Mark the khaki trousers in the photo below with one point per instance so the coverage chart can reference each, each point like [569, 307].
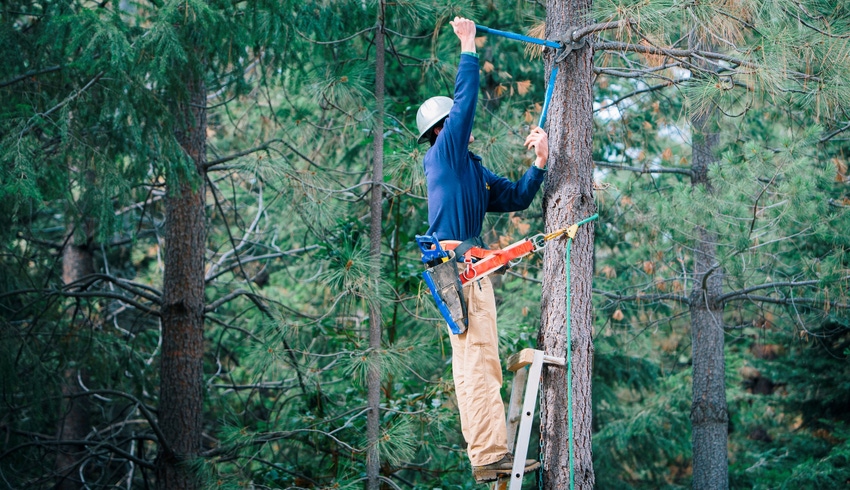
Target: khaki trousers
[477, 374]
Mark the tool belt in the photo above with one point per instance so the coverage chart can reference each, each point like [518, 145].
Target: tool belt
[461, 248]
[443, 281]
[447, 286]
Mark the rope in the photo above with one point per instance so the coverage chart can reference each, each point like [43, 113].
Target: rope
[571, 232]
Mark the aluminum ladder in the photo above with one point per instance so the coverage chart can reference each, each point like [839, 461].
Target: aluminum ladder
[527, 366]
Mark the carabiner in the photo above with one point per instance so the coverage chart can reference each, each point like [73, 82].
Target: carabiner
[539, 242]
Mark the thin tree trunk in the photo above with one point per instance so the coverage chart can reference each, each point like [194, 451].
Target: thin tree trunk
[709, 415]
[181, 370]
[373, 420]
[568, 198]
[77, 262]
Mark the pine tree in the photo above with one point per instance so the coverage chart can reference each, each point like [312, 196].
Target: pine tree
[568, 199]
[721, 202]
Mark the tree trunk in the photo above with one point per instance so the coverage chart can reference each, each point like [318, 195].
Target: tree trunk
[709, 415]
[373, 420]
[77, 262]
[568, 198]
[181, 370]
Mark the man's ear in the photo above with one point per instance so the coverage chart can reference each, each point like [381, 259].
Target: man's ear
[437, 130]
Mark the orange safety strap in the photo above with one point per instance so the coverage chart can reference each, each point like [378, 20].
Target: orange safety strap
[493, 260]
[490, 261]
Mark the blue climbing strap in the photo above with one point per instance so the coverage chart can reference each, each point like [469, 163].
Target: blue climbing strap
[553, 75]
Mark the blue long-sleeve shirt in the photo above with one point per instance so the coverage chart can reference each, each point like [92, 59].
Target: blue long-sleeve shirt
[460, 189]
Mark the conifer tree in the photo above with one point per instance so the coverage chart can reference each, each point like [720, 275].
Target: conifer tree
[291, 393]
[718, 82]
[727, 68]
[373, 461]
[568, 199]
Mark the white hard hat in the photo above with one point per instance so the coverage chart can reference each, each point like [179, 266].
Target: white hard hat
[430, 113]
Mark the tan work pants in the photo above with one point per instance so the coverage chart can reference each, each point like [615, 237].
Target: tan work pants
[478, 377]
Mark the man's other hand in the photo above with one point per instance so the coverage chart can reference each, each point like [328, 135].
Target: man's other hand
[539, 140]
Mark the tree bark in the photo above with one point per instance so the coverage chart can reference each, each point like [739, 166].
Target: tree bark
[709, 415]
[77, 262]
[373, 420]
[568, 198]
[181, 370]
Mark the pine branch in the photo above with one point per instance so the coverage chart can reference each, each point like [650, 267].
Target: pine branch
[265, 146]
[146, 412]
[834, 133]
[275, 385]
[639, 73]
[230, 297]
[134, 287]
[256, 258]
[283, 435]
[257, 300]
[676, 53]
[734, 295]
[37, 241]
[756, 204]
[66, 101]
[115, 296]
[405, 36]
[789, 301]
[70, 442]
[577, 34]
[644, 170]
[653, 88]
[31, 73]
[644, 297]
[363, 31]
[234, 247]
[800, 20]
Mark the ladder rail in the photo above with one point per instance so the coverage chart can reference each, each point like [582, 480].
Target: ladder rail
[517, 389]
[527, 366]
[527, 419]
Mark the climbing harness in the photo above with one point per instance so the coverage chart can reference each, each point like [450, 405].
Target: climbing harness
[445, 283]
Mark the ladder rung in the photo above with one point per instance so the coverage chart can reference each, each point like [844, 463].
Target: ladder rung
[526, 356]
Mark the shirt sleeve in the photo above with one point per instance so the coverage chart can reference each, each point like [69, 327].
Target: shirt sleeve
[506, 196]
[454, 138]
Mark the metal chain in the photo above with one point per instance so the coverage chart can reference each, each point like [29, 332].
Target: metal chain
[541, 454]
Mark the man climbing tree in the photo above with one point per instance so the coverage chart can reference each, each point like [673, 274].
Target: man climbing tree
[460, 191]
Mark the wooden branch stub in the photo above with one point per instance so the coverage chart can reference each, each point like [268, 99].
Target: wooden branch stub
[526, 356]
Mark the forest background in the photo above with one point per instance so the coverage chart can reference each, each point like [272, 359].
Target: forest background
[194, 293]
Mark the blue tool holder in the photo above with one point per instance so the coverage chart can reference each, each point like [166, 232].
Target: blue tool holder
[431, 249]
[443, 282]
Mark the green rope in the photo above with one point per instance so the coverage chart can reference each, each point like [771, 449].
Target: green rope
[570, 351]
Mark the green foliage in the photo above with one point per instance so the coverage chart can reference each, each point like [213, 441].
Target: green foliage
[87, 141]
